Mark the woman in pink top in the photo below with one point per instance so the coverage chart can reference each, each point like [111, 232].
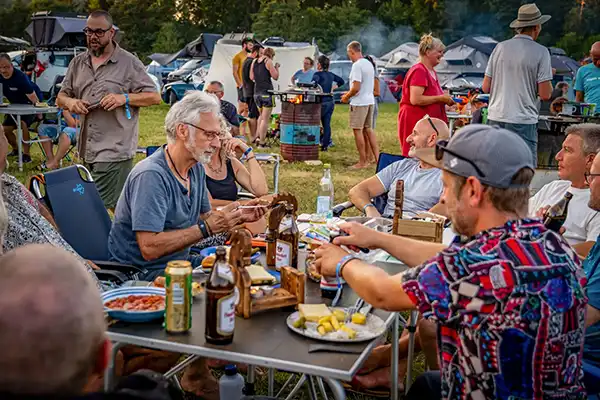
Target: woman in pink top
[421, 91]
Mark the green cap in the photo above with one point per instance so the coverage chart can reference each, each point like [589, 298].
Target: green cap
[327, 166]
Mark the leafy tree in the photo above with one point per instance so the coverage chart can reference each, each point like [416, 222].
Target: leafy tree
[169, 39]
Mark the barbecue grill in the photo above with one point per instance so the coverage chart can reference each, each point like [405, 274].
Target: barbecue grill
[300, 121]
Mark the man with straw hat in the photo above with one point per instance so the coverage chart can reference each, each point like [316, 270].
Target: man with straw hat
[518, 72]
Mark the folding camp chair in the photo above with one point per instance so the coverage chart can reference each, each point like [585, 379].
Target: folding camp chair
[385, 160]
[83, 221]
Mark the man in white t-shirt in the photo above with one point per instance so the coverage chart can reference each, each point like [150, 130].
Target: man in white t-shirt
[422, 182]
[362, 105]
[574, 161]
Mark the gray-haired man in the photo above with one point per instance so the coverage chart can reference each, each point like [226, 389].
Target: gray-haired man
[518, 72]
[227, 109]
[164, 206]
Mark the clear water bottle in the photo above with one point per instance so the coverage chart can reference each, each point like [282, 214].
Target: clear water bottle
[231, 384]
[325, 194]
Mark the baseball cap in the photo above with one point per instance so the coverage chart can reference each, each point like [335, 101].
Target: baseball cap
[492, 155]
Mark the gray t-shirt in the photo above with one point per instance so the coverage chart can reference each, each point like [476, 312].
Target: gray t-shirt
[422, 187]
[516, 67]
[154, 201]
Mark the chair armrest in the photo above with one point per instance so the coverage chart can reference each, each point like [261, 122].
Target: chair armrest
[245, 196]
[339, 209]
[113, 276]
[115, 266]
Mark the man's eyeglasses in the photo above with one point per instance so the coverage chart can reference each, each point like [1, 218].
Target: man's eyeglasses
[589, 178]
[210, 135]
[441, 147]
[98, 32]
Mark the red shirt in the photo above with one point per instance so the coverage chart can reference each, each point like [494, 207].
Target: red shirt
[409, 114]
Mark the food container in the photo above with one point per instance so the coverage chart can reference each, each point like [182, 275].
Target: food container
[267, 290]
[256, 293]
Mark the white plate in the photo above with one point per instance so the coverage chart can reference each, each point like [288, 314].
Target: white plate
[374, 328]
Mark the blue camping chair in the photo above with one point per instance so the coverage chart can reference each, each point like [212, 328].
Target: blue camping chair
[80, 215]
[385, 160]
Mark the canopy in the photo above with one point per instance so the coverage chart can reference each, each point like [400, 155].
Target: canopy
[201, 47]
[564, 65]
[467, 55]
[221, 66]
[404, 56]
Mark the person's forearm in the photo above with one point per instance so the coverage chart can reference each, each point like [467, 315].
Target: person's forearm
[144, 99]
[33, 98]
[62, 100]
[579, 96]
[351, 93]
[258, 181]
[359, 197]
[583, 249]
[410, 251]
[164, 243]
[236, 76]
[374, 286]
[425, 100]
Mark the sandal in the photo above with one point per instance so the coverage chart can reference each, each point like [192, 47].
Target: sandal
[42, 167]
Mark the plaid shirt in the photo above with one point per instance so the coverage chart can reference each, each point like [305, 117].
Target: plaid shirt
[510, 308]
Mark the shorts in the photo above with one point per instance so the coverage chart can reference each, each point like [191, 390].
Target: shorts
[264, 101]
[253, 112]
[361, 117]
[109, 178]
[240, 94]
[527, 132]
[51, 131]
[28, 119]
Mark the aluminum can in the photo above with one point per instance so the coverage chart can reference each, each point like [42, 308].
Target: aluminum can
[178, 304]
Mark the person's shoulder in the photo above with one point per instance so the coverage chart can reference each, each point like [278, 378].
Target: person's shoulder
[79, 58]
[556, 185]
[152, 167]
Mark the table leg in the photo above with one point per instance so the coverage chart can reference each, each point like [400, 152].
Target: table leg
[271, 383]
[296, 388]
[412, 328]
[322, 388]
[109, 373]
[336, 388]
[249, 387]
[289, 380]
[20, 143]
[312, 390]
[181, 366]
[395, 359]
[451, 127]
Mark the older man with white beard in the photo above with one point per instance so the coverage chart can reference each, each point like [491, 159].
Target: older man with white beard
[164, 207]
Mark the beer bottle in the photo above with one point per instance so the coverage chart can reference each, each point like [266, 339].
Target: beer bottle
[556, 215]
[287, 242]
[220, 301]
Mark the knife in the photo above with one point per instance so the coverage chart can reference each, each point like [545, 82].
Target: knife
[313, 348]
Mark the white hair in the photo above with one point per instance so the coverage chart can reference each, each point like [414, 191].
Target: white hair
[188, 110]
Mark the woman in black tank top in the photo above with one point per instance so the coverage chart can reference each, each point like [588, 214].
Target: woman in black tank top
[262, 72]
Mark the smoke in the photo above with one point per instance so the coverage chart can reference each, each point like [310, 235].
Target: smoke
[376, 38]
[463, 19]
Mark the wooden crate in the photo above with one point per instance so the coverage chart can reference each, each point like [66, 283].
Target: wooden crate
[428, 231]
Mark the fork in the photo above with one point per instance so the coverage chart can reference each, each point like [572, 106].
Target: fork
[357, 306]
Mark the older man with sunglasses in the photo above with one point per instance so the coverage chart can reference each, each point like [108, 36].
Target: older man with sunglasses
[422, 182]
[507, 294]
[107, 85]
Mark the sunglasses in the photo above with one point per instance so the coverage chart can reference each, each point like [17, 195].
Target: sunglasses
[432, 124]
[441, 147]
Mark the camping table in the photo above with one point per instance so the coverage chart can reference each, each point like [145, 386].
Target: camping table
[264, 340]
[452, 117]
[16, 111]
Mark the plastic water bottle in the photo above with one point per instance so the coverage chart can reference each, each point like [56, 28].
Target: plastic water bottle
[325, 194]
[231, 384]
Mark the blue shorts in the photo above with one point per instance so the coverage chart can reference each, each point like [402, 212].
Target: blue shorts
[51, 131]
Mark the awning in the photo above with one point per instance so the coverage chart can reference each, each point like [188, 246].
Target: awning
[201, 47]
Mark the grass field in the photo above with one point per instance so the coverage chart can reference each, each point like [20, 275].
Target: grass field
[297, 178]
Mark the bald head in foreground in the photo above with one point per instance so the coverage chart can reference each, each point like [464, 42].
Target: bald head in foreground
[52, 328]
[422, 182]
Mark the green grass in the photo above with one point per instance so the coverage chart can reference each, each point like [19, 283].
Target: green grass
[297, 178]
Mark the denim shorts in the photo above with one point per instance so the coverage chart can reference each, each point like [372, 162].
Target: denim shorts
[527, 132]
[51, 131]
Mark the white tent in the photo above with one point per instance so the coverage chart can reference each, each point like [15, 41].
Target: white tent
[221, 67]
[404, 56]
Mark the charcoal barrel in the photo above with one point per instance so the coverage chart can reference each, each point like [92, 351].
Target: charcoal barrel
[300, 130]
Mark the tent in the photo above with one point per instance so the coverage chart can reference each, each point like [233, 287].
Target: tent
[404, 56]
[564, 65]
[10, 42]
[201, 47]
[467, 55]
[221, 67]
[49, 29]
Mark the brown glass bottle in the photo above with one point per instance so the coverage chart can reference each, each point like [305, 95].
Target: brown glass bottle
[556, 215]
[287, 242]
[220, 301]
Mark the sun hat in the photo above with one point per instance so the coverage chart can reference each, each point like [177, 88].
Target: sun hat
[529, 15]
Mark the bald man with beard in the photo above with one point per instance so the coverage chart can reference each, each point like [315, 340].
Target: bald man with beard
[587, 82]
[53, 333]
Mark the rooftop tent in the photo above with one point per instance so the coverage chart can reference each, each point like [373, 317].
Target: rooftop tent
[564, 65]
[404, 56]
[469, 54]
[11, 42]
[201, 47]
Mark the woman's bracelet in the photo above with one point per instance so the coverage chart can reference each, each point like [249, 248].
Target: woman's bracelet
[250, 158]
[248, 151]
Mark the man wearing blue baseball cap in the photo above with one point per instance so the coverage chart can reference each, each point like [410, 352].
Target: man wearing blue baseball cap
[508, 298]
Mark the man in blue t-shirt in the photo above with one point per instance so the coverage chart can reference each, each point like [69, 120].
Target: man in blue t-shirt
[587, 82]
[591, 352]
[18, 89]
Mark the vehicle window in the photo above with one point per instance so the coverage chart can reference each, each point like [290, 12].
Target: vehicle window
[62, 60]
[191, 64]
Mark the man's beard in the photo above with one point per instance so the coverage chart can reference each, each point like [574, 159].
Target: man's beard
[203, 157]
[99, 51]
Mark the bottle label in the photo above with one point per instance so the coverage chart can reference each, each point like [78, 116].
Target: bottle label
[226, 314]
[323, 204]
[283, 255]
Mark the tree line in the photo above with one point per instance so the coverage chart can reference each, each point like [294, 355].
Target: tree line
[166, 25]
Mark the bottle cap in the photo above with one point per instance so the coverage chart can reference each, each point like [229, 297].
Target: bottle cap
[327, 166]
[221, 251]
[230, 370]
